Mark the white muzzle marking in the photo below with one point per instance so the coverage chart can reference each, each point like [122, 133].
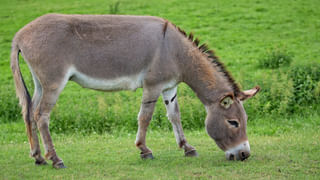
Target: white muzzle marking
[244, 146]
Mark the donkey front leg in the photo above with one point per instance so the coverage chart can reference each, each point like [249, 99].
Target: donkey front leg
[149, 100]
[173, 113]
[42, 117]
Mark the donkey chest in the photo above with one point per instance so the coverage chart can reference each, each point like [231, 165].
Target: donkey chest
[125, 82]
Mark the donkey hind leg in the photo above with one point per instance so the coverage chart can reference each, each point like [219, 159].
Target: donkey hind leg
[35, 148]
[42, 117]
[173, 113]
[149, 99]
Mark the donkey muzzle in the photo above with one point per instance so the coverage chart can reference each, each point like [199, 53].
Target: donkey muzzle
[239, 152]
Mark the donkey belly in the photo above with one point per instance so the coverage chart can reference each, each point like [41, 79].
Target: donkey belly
[129, 82]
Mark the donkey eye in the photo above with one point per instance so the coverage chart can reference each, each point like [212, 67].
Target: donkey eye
[233, 123]
[226, 102]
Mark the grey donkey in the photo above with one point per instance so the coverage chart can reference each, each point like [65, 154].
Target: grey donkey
[117, 52]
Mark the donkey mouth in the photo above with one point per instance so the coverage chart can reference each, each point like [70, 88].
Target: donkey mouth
[239, 152]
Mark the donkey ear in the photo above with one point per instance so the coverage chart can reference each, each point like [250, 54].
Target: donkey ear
[244, 95]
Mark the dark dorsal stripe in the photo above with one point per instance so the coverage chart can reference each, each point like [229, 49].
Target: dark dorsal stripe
[212, 58]
[164, 30]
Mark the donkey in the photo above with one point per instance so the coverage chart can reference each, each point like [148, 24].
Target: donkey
[117, 52]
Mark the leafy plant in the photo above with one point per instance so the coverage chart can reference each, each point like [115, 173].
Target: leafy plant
[306, 80]
[114, 8]
[275, 58]
[276, 93]
[295, 90]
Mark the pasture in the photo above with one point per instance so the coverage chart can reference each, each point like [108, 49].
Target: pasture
[274, 44]
[292, 154]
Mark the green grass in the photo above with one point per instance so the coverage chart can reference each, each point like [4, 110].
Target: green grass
[293, 154]
[94, 132]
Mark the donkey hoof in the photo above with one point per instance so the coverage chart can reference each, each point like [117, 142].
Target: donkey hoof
[40, 162]
[191, 153]
[146, 156]
[59, 165]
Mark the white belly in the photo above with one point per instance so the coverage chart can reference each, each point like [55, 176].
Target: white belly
[131, 82]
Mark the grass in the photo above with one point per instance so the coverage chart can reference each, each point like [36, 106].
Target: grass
[94, 132]
[114, 156]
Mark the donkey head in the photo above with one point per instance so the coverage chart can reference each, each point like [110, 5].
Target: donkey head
[226, 123]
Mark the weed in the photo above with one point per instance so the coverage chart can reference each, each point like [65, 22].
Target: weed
[114, 8]
[276, 93]
[275, 58]
[306, 79]
[295, 90]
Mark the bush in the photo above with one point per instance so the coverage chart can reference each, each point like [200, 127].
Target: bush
[283, 93]
[275, 58]
[306, 80]
[274, 98]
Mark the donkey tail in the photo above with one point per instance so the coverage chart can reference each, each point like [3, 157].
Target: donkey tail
[21, 89]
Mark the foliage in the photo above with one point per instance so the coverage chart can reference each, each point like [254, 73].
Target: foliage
[274, 98]
[114, 8]
[275, 58]
[306, 79]
[294, 90]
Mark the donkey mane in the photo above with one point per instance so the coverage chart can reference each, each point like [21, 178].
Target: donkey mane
[210, 54]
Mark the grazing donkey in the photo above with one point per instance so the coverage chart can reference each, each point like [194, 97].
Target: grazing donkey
[111, 52]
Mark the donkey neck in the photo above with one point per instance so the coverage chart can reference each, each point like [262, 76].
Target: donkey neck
[204, 77]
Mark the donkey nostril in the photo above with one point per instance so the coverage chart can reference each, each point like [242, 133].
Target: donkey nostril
[244, 155]
[231, 157]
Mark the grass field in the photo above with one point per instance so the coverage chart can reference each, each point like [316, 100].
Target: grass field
[94, 132]
[293, 155]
